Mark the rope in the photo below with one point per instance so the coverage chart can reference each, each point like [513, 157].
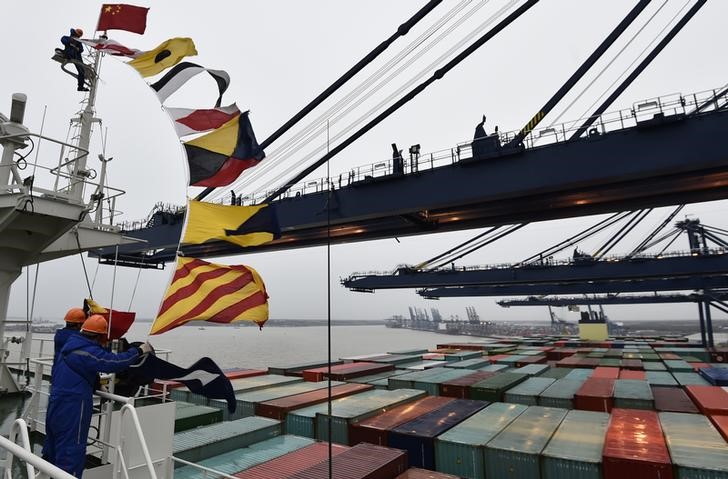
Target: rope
[328, 303]
[133, 292]
[83, 263]
[113, 289]
[298, 139]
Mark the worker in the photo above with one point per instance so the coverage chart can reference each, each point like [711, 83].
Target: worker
[68, 417]
[72, 51]
[480, 130]
[74, 319]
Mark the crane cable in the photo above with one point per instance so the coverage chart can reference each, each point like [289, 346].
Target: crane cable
[298, 138]
[373, 110]
[641, 247]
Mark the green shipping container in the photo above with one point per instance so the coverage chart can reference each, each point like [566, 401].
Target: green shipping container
[431, 385]
[580, 373]
[678, 365]
[208, 441]
[188, 416]
[516, 451]
[469, 363]
[633, 394]
[686, 379]
[660, 378]
[494, 368]
[654, 366]
[461, 450]
[561, 393]
[492, 389]
[697, 449]
[575, 450]
[532, 369]
[556, 373]
[241, 459]
[527, 392]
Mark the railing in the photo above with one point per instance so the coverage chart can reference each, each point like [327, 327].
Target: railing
[207, 473]
[25, 454]
[547, 262]
[63, 181]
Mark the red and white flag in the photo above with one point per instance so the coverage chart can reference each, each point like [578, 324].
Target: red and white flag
[189, 121]
[112, 47]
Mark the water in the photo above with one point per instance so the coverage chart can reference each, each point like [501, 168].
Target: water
[248, 347]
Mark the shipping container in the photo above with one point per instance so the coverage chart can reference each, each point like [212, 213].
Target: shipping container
[245, 402]
[421, 365]
[556, 373]
[464, 355]
[696, 447]
[595, 395]
[660, 378]
[493, 388]
[289, 464]
[278, 408]
[417, 436]
[461, 450]
[344, 372]
[239, 373]
[679, 366]
[636, 364]
[241, 459]
[721, 423]
[516, 450]
[350, 411]
[606, 372]
[397, 359]
[207, 441]
[632, 374]
[363, 461]
[375, 430]
[580, 373]
[655, 367]
[687, 379]
[494, 368]
[407, 381]
[431, 385]
[469, 363]
[188, 416]
[239, 386]
[671, 399]
[561, 393]
[532, 369]
[377, 377]
[633, 394]
[296, 369]
[416, 473]
[610, 363]
[711, 400]
[527, 392]
[409, 352]
[460, 387]
[634, 446]
[575, 450]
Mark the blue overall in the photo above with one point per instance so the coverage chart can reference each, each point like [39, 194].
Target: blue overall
[59, 340]
[73, 49]
[71, 403]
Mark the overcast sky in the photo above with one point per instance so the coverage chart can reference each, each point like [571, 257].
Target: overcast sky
[282, 53]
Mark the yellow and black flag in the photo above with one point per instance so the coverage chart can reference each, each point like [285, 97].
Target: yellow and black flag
[219, 157]
[166, 55]
[240, 225]
[202, 291]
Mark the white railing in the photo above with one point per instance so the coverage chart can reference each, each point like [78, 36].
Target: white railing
[207, 473]
[24, 454]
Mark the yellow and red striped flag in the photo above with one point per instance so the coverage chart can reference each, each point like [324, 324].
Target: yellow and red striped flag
[202, 291]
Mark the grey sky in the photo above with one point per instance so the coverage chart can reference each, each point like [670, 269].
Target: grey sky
[280, 54]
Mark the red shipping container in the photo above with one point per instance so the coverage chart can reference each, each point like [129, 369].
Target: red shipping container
[669, 356]
[595, 395]
[606, 372]
[416, 473]
[460, 387]
[243, 373]
[721, 423]
[363, 461]
[343, 372]
[672, 399]
[375, 430]
[696, 366]
[632, 364]
[711, 400]
[531, 360]
[496, 357]
[630, 374]
[285, 466]
[278, 408]
[433, 357]
[635, 447]
[467, 346]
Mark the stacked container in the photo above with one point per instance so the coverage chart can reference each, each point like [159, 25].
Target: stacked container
[363, 461]
[417, 436]
[527, 392]
[575, 450]
[417, 473]
[633, 394]
[711, 400]
[461, 450]
[431, 385]
[721, 423]
[560, 394]
[460, 388]
[246, 402]
[660, 378]
[493, 388]
[671, 399]
[687, 379]
[635, 447]
[715, 376]
[343, 372]
[375, 430]
[286, 466]
[595, 395]
[278, 408]
[696, 448]
[515, 452]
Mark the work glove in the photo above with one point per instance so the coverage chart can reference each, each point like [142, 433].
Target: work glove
[146, 348]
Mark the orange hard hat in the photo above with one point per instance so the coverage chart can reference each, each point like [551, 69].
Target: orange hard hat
[75, 315]
[95, 324]
[78, 31]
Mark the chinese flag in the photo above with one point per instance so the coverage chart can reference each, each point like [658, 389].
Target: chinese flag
[119, 16]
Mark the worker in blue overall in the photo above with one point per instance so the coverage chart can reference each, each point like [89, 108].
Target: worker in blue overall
[71, 402]
[73, 50]
[74, 319]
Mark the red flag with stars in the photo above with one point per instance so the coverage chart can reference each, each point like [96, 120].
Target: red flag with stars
[120, 16]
